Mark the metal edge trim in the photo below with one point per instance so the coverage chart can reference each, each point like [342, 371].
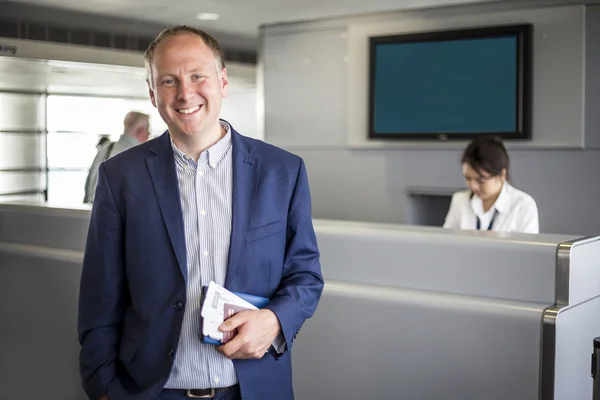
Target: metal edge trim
[563, 268]
[548, 340]
[548, 353]
[550, 314]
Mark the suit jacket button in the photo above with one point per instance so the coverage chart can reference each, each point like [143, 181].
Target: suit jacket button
[171, 352]
[179, 305]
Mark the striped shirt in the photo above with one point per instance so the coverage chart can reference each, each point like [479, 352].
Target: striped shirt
[206, 201]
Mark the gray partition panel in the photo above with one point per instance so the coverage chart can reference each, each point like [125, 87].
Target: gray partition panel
[38, 333]
[514, 267]
[576, 328]
[44, 226]
[367, 342]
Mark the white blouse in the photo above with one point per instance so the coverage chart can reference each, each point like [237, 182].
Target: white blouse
[515, 211]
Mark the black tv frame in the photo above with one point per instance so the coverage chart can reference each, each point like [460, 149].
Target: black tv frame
[524, 79]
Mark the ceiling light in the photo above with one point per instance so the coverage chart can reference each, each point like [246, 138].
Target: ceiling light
[208, 16]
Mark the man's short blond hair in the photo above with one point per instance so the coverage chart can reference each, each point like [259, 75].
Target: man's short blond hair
[207, 38]
[133, 120]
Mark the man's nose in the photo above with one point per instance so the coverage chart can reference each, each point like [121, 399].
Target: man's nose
[184, 92]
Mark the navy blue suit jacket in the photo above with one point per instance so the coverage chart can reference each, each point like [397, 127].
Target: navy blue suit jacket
[135, 269]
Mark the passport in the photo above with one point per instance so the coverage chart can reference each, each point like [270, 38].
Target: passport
[229, 310]
[212, 310]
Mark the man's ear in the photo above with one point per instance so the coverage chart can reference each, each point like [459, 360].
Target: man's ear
[151, 93]
[224, 82]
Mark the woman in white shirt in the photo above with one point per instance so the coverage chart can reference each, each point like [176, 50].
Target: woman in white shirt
[491, 203]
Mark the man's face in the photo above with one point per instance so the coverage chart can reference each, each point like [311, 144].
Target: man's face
[186, 88]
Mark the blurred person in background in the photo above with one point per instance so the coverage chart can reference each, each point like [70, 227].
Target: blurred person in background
[103, 140]
[136, 130]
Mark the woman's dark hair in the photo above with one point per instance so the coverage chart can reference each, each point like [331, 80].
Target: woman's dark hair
[487, 154]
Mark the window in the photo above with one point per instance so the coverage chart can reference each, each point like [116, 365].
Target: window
[75, 124]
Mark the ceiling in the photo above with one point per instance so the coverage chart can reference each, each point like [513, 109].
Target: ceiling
[19, 74]
[238, 17]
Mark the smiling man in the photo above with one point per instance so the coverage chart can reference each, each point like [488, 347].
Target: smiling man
[200, 203]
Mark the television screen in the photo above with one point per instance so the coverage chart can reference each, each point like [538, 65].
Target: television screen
[451, 84]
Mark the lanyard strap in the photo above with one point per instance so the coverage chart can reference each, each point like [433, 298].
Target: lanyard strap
[491, 222]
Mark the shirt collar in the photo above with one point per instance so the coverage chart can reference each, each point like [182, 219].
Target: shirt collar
[501, 203]
[214, 154]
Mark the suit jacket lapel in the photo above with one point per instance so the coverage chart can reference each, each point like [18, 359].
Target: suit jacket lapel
[164, 177]
[245, 181]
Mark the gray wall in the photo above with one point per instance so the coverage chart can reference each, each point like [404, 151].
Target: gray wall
[314, 82]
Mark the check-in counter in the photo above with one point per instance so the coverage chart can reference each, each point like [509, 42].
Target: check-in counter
[426, 313]
[407, 312]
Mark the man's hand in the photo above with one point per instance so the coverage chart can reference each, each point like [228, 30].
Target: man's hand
[257, 329]
[104, 398]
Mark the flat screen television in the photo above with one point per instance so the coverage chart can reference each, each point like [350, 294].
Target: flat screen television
[448, 85]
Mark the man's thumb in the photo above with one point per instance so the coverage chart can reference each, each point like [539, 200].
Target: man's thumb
[232, 323]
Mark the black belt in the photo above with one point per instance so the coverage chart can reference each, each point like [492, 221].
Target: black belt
[202, 393]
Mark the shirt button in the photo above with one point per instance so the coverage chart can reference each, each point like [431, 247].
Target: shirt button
[171, 352]
[203, 212]
[179, 305]
[216, 379]
[205, 252]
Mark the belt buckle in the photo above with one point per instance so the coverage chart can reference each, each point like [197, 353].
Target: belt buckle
[189, 394]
